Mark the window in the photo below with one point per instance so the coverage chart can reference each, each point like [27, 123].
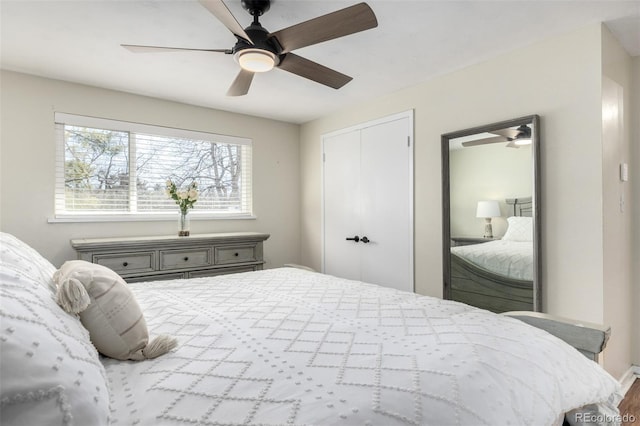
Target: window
[110, 169]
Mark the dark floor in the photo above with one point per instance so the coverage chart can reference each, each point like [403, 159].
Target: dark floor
[630, 405]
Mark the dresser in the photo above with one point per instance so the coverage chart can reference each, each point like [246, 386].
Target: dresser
[172, 257]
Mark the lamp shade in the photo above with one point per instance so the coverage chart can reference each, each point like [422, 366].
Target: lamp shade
[488, 209]
[256, 60]
[520, 141]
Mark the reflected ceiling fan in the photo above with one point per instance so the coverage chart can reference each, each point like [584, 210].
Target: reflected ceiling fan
[516, 137]
[258, 50]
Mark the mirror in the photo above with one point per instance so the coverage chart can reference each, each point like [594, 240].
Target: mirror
[491, 215]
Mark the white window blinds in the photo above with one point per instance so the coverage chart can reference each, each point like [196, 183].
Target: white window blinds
[107, 167]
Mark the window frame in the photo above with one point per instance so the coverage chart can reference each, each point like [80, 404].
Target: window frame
[61, 119]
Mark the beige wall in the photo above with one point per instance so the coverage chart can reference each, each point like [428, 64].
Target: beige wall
[559, 79]
[27, 165]
[617, 230]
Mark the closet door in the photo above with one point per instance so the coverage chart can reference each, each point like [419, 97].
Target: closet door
[368, 193]
[385, 203]
[342, 205]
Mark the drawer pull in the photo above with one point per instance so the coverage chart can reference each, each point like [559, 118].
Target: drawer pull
[125, 264]
[236, 254]
[186, 258]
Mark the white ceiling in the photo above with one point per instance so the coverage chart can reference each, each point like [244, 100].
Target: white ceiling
[79, 41]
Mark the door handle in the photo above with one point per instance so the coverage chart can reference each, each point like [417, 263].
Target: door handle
[356, 239]
[364, 240]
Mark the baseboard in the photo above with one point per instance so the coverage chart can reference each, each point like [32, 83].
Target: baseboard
[627, 378]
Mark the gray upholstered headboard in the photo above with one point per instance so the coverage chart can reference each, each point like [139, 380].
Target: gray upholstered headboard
[522, 206]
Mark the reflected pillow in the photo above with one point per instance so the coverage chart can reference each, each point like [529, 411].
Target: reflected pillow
[520, 229]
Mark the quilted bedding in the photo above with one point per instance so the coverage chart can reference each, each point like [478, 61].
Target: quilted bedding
[286, 346]
[512, 259]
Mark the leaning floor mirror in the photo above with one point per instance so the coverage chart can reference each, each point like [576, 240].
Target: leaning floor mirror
[491, 215]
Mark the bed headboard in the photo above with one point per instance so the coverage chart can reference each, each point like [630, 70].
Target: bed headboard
[588, 338]
[522, 206]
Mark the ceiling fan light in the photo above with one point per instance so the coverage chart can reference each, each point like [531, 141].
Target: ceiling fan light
[256, 60]
[522, 141]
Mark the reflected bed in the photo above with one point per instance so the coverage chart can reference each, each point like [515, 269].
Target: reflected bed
[498, 275]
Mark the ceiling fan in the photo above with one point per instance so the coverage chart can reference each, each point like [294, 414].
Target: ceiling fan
[516, 137]
[258, 50]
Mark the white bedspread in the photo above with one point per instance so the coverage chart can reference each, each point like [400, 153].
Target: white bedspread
[513, 259]
[286, 346]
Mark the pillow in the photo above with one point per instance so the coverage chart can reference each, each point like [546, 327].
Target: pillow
[520, 228]
[51, 373]
[108, 310]
[27, 262]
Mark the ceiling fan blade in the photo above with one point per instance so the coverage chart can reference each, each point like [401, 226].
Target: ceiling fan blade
[340, 23]
[136, 48]
[484, 141]
[507, 133]
[313, 71]
[241, 84]
[222, 12]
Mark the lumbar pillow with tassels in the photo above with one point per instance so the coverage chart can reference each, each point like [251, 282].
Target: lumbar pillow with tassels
[108, 310]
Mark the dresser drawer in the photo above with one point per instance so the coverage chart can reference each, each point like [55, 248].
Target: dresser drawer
[180, 259]
[235, 254]
[127, 263]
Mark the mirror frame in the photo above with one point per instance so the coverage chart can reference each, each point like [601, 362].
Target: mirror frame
[534, 122]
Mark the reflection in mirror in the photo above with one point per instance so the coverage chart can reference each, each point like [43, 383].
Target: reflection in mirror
[491, 216]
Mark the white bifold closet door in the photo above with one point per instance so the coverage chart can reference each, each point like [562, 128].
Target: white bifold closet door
[368, 202]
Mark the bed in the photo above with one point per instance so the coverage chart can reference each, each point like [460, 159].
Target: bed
[498, 275]
[287, 346]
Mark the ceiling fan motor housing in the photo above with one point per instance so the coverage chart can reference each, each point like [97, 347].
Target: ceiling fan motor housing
[256, 7]
[262, 43]
[525, 131]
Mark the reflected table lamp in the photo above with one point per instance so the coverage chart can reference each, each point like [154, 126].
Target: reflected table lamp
[488, 210]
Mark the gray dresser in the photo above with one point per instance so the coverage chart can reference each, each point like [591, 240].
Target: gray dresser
[171, 257]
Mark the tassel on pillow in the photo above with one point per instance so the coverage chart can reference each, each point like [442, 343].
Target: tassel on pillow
[158, 346]
[108, 310]
[71, 295]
